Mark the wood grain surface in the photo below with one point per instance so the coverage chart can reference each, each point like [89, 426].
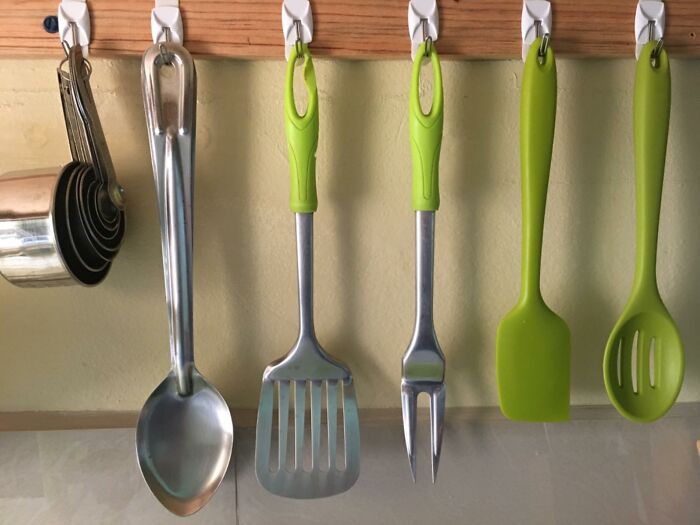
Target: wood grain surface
[472, 29]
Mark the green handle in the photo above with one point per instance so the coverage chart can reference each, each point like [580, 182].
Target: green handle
[538, 107]
[652, 108]
[426, 135]
[302, 136]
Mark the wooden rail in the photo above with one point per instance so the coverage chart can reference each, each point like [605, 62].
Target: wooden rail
[472, 29]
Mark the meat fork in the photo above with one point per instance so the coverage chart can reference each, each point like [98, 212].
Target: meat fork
[423, 366]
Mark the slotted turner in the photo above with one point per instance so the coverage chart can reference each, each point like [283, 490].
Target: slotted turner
[307, 371]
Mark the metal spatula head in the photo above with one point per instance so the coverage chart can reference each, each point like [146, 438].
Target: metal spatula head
[316, 460]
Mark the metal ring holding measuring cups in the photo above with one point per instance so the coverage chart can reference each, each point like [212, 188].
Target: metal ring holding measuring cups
[61, 226]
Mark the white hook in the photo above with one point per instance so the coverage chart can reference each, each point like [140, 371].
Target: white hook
[74, 12]
[649, 21]
[297, 24]
[423, 23]
[166, 16]
[537, 16]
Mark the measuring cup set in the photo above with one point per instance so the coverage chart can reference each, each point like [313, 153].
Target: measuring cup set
[65, 225]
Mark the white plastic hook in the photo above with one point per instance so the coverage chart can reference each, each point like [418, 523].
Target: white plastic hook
[423, 22]
[649, 13]
[74, 12]
[166, 15]
[536, 14]
[297, 23]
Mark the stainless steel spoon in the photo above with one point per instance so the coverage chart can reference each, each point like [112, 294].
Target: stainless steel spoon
[184, 435]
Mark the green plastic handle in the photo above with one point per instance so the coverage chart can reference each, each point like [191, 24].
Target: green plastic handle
[652, 108]
[538, 107]
[302, 136]
[426, 135]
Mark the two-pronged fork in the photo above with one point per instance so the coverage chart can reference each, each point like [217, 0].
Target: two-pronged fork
[423, 367]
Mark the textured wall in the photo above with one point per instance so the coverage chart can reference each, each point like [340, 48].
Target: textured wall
[106, 347]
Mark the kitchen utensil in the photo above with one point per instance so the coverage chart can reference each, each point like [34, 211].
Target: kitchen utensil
[423, 365]
[307, 370]
[533, 343]
[184, 435]
[643, 362]
[60, 226]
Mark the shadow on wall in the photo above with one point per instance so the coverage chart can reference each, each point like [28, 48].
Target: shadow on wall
[350, 154]
[683, 300]
[470, 109]
[223, 202]
[589, 160]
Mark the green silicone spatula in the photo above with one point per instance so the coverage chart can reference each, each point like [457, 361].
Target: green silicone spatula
[533, 343]
[643, 362]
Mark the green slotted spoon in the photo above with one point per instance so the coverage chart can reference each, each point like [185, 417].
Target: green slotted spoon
[643, 362]
[533, 343]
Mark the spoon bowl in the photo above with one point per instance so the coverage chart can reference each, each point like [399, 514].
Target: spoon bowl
[184, 443]
[643, 363]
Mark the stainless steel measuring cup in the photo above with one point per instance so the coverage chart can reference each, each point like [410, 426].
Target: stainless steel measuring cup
[64, 225]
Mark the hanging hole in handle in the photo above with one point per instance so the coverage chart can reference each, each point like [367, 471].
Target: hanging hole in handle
[301, 93]
[167, 80]
[426, 86]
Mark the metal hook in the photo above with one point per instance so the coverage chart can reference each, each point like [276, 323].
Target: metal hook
[74, 32]
[164, 54]
[426, 36]
[656, 52]
[298, 44]
[544, 45]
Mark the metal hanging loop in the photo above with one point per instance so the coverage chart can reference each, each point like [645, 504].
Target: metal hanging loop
[656, 52]
[544, 44]
[426, 37]
[165, 55]
[298, 43]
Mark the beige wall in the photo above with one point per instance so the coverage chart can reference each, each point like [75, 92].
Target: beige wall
[106, 347]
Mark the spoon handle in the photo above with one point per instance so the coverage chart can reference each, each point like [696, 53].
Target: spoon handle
[652, 108]
[538, 106]
[170, 105]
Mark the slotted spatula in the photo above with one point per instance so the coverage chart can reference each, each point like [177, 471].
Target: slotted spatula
[307, 368]
[533, 343]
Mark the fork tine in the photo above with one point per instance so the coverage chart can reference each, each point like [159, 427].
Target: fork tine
[299, 413]
[437, 418]
[408, 408]
[283, 422]
[331, 416]
[315, 422]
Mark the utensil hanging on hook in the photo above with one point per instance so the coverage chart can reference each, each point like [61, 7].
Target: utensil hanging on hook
[64, 225]
[644, 361]
[184, 435]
